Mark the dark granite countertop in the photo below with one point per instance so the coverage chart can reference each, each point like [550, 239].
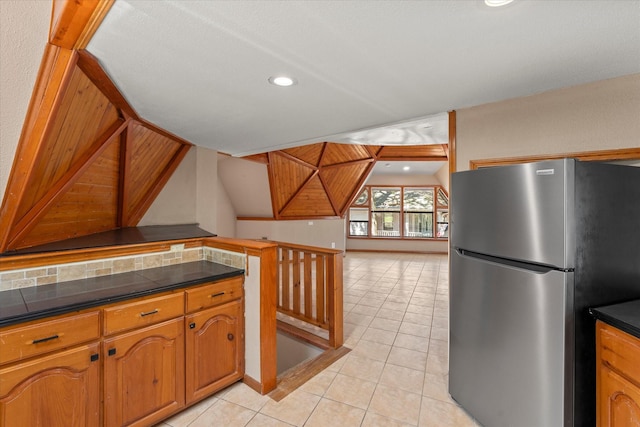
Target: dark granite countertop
[21, 305]
[624, 316]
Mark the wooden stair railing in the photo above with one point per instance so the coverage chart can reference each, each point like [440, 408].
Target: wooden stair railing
[310, 289]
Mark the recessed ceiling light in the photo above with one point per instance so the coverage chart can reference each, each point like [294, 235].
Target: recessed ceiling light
[282, 81]
[497, 3]
[406, 168]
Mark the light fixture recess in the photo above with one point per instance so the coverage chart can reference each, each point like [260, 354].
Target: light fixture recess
[497, 3]
[282, 81]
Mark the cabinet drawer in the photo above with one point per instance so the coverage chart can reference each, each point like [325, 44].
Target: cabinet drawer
[620, 351]
[21, 342]
[213, 294]
[143, 312]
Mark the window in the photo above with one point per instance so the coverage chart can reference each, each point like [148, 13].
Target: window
[418, 212]
[442, 214]
[358, 222]
[385, 212]
[400, 212]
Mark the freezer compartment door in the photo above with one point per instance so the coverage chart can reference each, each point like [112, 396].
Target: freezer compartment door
[507, 343]
[521, 212]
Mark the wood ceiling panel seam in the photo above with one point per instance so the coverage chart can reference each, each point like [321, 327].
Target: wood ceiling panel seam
[40, 209]
[53, 75]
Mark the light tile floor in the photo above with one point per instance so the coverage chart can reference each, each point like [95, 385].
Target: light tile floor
[396, 323]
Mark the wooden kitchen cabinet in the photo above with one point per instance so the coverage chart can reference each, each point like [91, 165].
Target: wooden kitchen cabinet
[49, 375]
[131, 363]
[144, 374]
[214, 349]
[617, 377]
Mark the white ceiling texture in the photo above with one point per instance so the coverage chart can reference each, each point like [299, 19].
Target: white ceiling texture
[380, 72]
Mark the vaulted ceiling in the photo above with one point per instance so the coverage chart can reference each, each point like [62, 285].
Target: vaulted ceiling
[86, 162]
[323, 179]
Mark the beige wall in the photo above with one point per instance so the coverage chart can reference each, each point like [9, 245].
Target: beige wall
[595, 116]
[24, 28]
[226, 219]
[316, 232]
[176, 203]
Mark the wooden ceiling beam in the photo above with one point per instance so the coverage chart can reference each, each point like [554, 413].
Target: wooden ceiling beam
[332, 201]
[30, 220]
[296, 160]
[54, 74]
[91, 67]
[451, 147]
[348, 163]
[73, 22]
[272, 185]
[414, 159]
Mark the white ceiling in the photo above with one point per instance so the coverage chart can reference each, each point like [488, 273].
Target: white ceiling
[199, 69]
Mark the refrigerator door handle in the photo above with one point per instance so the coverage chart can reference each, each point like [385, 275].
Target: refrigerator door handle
[532, 267]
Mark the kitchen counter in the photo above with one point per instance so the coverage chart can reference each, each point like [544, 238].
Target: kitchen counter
[624, 316]
[20, 305]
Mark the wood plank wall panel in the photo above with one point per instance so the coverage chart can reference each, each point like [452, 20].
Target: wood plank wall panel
[343, 181]
[90, 206]
[84, 114]
[307, 153]
[312, 200]
[150, 155]
[288, 176]
[343, 153]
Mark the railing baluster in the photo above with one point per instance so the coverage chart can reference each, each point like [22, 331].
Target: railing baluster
[312, 298]
[285, 283]
[308, 285]
[296, 281]
[321, 287]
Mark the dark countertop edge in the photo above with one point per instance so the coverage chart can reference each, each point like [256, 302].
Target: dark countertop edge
[8, 321]
[615, 322]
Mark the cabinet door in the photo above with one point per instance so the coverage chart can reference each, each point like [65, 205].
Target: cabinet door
[144, 374]
[58, 390]
[620, 402]
[214, 349]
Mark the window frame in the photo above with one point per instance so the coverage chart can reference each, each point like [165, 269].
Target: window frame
[437, 207]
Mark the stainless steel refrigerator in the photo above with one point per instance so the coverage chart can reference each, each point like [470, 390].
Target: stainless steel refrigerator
[533, 246]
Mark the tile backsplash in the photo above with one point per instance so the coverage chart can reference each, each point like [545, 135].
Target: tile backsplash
[37, 276]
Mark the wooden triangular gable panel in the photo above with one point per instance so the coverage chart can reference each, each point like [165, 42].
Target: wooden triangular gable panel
[83, 115]
[150, 154]
[307, 153]
[312, 200]
[343, 181]
[89, 206]
[343, 153]
[288, 176]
